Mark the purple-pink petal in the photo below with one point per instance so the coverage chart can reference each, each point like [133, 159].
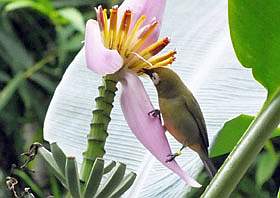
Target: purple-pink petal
[135, 105]
[152, 9]
[98, 58]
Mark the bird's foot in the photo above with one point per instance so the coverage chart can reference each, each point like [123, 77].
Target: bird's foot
[171, 157]
[155, 113]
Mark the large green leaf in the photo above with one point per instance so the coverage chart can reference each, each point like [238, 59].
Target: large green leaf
[230, 134]
[255, 33]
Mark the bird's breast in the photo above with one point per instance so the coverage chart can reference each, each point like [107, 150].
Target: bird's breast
[169, 110]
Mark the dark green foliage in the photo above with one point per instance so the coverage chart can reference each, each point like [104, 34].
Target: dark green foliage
[28, 33]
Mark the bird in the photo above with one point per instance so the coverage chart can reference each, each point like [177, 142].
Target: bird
[181, 114]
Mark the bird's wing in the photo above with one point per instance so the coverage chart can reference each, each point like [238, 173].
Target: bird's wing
[194, 109]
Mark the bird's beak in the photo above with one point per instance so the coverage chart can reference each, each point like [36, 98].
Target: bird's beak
[148, 72]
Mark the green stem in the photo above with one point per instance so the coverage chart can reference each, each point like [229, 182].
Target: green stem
[98, 129]
[245, 152]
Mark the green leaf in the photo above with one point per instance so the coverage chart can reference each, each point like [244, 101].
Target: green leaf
[29, 182]
[54, 186]
[48, 158]
[20, 4]
[74, 17]
[73, 3]
[24, 93]
[248, 188]
[109, 167]
[113, 181]
[14, 83]
[267, 163]
[10, 89]
[44, 81]
[4, 77]
[230, 134]
[17, 83]
[255, 33]
[94, 178]
[59, 157]
[278, 195]
[72, 177]
[10, 46]
[124, 185]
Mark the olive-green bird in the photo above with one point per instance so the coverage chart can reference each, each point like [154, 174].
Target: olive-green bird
[181, 114]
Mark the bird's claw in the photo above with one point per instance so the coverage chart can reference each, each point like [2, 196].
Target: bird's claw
[155, 113]
[171, 157]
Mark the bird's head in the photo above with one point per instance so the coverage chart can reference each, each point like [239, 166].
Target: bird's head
[167, 82]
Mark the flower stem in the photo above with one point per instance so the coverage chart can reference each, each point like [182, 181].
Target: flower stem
[98, 129]
[246, 151]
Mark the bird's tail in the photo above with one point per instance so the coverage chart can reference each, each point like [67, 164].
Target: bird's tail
[208, 164]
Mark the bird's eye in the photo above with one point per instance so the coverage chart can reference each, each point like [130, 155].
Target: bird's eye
[155, 78]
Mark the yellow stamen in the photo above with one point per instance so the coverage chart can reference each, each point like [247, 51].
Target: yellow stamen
[106, 31]
[156, 59]
[151, 50]
[156, 47]
[147, 31]
[133, 34]
[164, 63]
[100, 19]
[123, 30]
[143, 59]
[113, 26]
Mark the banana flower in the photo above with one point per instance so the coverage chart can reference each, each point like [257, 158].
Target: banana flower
[124, 45]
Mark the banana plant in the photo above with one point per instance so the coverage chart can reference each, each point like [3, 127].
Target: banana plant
[65, 170]
[205, 61]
